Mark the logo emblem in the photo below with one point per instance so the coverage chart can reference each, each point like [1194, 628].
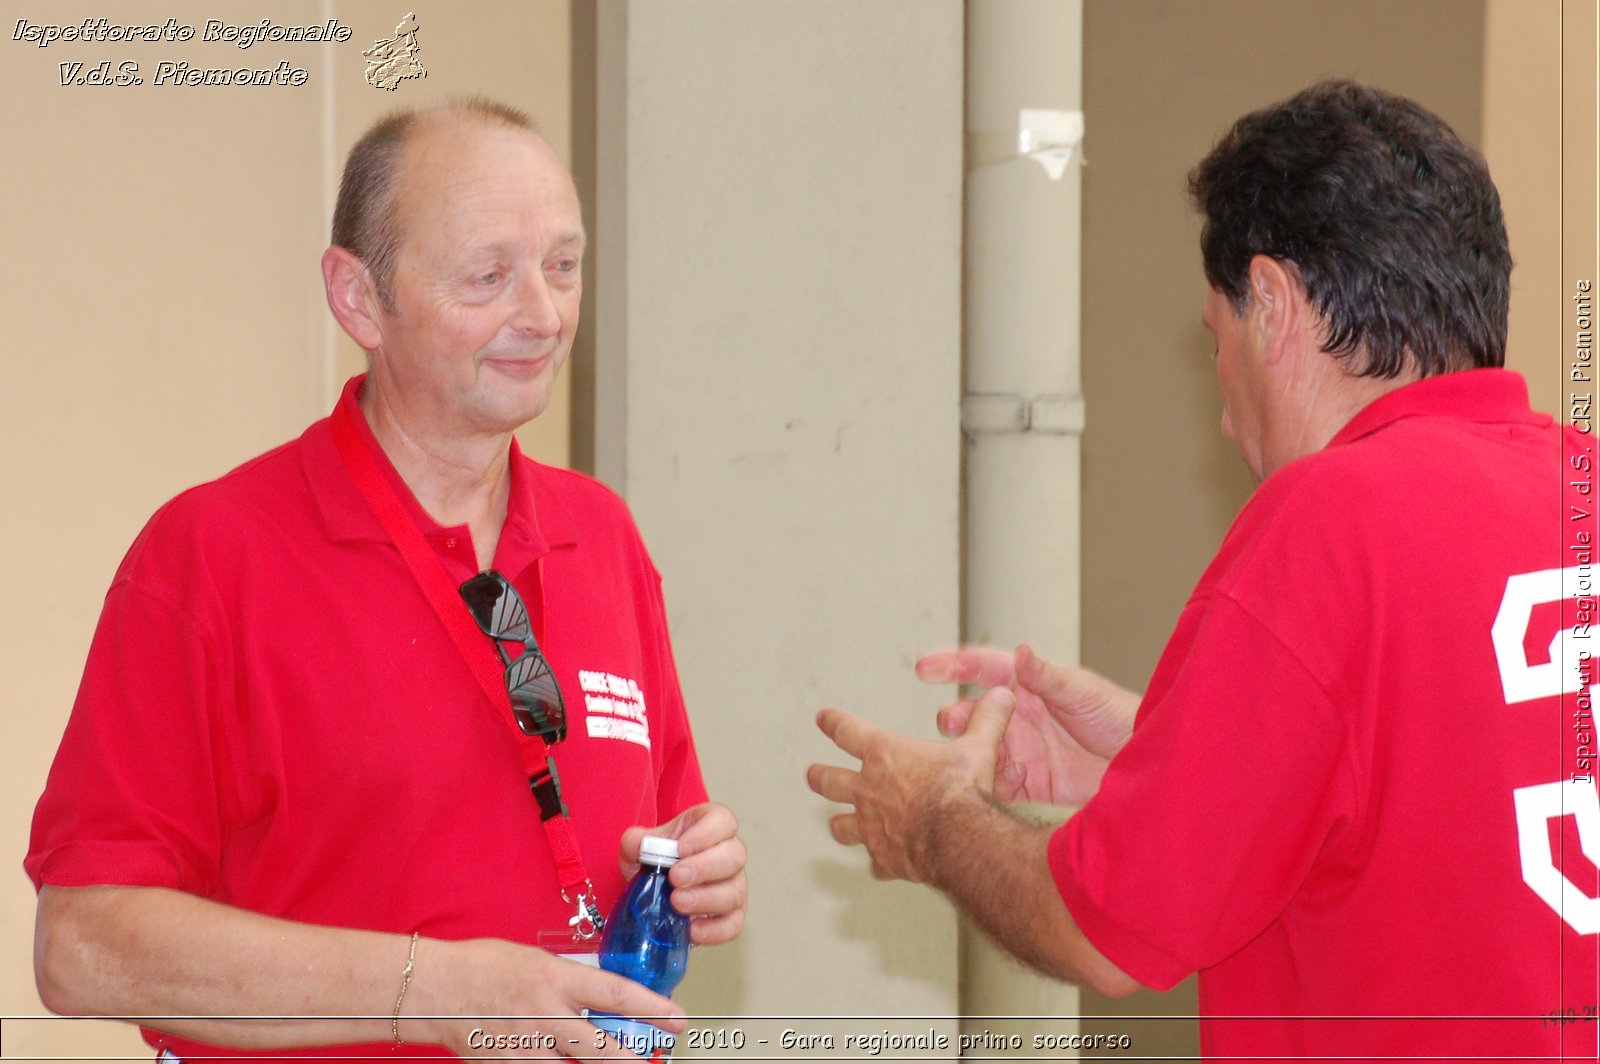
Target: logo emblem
[389, 62]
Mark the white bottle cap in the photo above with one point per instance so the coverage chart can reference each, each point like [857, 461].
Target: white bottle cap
[658, 851]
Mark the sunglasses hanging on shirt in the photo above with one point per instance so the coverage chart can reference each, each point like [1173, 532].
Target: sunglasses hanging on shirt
[535, 696]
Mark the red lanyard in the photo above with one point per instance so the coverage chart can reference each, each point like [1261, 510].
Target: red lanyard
[576, 887]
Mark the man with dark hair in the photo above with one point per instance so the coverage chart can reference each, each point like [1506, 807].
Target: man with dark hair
[311, 776]
[1347, 797]
[1392, 225]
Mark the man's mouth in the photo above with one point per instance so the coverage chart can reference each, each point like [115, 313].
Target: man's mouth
[519, 367]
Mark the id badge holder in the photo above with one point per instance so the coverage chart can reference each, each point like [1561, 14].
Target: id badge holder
[562, 943]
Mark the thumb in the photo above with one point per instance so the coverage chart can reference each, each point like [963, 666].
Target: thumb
[632, 839]
[1061, 687]
[1096, 713]
[990, 717]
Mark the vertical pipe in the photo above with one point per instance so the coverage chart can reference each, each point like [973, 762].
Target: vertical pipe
[1021, 313]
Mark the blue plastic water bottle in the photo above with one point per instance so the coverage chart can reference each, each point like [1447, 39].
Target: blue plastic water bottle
[647, 940]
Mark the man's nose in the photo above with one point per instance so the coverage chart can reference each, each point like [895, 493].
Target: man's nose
[536, 310]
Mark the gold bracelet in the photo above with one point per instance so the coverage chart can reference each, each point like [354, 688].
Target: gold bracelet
[405, 984]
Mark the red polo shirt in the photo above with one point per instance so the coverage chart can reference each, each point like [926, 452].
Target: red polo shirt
[273, 717]
[1348, 798]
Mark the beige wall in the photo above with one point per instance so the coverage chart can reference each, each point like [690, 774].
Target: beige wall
[1580, 184]
[1522, 141]
[165, 321]
[160, 264]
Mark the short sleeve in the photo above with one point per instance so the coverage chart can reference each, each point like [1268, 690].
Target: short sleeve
[131, 798]
[1209, 820]
[679, 784]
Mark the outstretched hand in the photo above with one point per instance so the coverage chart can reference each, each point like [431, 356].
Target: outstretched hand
[1068, 722]
[904, 783]
[926, 811]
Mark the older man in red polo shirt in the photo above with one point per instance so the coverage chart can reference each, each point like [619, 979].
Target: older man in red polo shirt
[372, 726]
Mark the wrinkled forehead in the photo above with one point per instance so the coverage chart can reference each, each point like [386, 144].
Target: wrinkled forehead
[464, 174]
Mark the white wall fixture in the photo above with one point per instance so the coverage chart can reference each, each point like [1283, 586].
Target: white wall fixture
[1051, 138]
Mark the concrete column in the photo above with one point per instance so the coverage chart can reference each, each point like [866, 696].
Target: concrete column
[776, 196]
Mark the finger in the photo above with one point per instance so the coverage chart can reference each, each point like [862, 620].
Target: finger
[1011, 781]
[952, 719]
[723, 861]
[632, 839]
[710, 899]
[833, 783]
[676, 828]
[990, 717]
[604, 992]
[846, 829]
[715, 930]
[703, 827]
[982, 666]
[848, 732]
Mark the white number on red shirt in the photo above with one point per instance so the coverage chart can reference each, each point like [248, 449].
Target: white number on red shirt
[1537, 805]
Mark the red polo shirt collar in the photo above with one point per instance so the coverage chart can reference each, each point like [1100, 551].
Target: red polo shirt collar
[1479, 395]
[529, 532]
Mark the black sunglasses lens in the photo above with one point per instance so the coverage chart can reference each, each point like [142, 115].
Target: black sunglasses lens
[536, 698]
[497, 607]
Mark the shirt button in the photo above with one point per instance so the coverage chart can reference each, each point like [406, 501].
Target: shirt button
[450, 544]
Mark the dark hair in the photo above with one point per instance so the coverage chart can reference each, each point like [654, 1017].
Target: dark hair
[1390, 220]
[364, 218]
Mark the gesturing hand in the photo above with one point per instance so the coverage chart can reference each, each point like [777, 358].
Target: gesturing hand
[903, 784]
[1068, 723]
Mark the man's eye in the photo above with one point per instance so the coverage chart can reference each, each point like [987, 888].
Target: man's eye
[492, 277]
[566, 265]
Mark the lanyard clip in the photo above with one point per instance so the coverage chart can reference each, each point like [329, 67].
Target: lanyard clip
[587, 922]
[546, 788]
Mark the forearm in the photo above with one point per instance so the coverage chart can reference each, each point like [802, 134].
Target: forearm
[138, 952]
[995, 867]
[151, 952]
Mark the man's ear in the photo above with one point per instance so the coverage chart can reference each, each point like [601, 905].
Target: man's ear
[352, 296]
[1278, 301]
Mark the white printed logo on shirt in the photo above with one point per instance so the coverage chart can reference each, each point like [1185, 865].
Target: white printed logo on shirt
[1568, 671]
[615, 707]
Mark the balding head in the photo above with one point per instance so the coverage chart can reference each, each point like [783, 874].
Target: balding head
[366, 218]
